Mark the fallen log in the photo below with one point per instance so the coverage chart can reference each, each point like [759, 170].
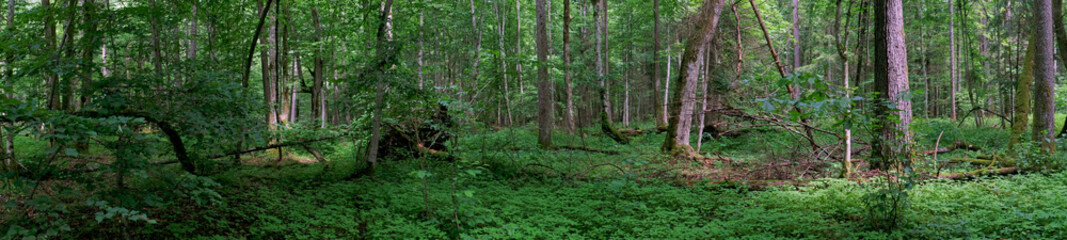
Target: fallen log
[955, 146]
[272, 146]
[589, 149]
[998, 171]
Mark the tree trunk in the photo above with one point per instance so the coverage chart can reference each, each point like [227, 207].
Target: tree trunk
[953, 76]
[891, 80]
[192, 32]
[385, 36]
[476, 59]
[1022, 93]
[502, 19]
[518, 47]
[89, 44]
[318, 100]
[544, 84]
[677, 140]
[702, 113]
[252, 48]
[50, 45]
[1044, 76]
[796, 42]
[653, 74]
[1061, 44]
[269, 75]
[568, 116]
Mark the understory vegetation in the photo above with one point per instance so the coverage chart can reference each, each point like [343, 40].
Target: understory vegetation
[505, 187]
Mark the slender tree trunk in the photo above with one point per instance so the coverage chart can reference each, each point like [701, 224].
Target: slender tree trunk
[599, 16]
[318, 100]
[796, 42]
[252, 48]
[502, 19]
[192, 32]
[568, 116]
[601, 53]
[702, 113]
[606, 64]
[385, 37]
[418, 58]
[518, 47]
[953, 76]
[667, 84]
[269, 75]
[1044, 76]
[658, 105]
[544, 89]
[90, 41]
[678, 130]
[794, 93]
[50, 45]
[891, 80]
[476, 60]
[1023, 93]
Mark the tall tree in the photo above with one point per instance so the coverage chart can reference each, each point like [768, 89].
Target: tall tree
[705, 26]
[599, 16]
[385, 37]
[891, 79]
[1023, 95]
[1061, 44]
[544, 84]
[1044, 76]
[568, 115]
[50, 42]
[953, 73]
[653, 74]
[318, 92]
[796, 40]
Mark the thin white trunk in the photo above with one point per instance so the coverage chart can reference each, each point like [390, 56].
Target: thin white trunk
[667, 83]
[703, 102]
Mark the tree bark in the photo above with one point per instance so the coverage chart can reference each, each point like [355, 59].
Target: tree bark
[1061, 44]
[953, 76]
[502, 19]
[1023, 94]
[385, 37]
[252, 48]
[192, 32]
[89, 44]
[318, 100]
[568, 116]
[705, 28]
[1044, 76]
[891, 81]
[544, 84]
[518, 47]
[476, 59]
[796, 41]
[50, 42]
[653, 74]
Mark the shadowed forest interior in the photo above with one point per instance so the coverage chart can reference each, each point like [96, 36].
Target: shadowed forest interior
[533, 119]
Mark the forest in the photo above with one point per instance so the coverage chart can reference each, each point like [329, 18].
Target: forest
[533, 119]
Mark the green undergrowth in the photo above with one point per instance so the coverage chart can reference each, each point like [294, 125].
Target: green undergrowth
[502, 186]
[392, 207]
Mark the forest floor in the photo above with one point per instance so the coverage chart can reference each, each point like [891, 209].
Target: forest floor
[503, 186]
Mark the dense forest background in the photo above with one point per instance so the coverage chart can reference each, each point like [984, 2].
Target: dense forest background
[312, 119]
